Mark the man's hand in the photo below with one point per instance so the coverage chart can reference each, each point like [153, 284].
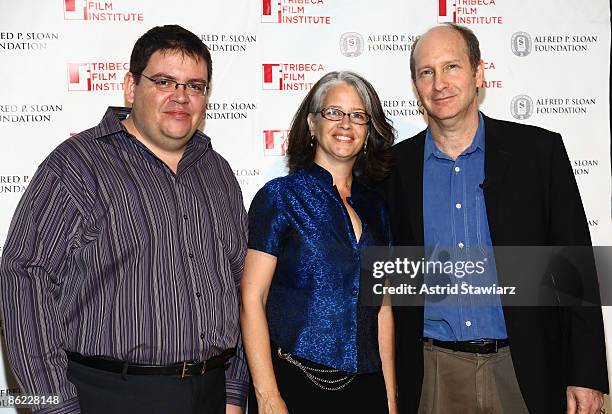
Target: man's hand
[233, 409]
[582, 400]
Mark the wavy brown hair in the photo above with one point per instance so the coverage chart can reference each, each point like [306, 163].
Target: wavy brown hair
[372, 166]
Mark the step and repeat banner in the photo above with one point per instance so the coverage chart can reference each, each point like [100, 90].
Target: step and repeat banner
[63, 62]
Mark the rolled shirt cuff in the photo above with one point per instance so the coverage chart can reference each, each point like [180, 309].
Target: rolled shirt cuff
[236, 392]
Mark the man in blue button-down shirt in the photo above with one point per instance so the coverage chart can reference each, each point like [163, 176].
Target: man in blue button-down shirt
[455, 222]
[465, 184]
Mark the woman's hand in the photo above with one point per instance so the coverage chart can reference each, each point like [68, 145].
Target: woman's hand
[258, 273]
[392, 407]
[386, 346]
[271, 403]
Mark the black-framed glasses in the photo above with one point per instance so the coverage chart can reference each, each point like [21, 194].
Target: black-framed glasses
[335, 114]
[170, 85]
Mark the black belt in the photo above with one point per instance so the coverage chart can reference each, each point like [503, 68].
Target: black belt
[184, 369]
[482, 346]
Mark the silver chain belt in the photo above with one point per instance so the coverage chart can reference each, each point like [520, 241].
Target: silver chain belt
[332, 384]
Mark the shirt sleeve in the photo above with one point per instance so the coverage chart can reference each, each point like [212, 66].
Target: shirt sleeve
[237, 378]
[267, 223]
[237, 375]
[32, 275]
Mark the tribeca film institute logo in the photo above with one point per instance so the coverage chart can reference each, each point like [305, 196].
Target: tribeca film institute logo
[293, 12]
[446, 11]
[97, 76]
[275, 142]
[104, 11]
[467, 12]
[290, 76]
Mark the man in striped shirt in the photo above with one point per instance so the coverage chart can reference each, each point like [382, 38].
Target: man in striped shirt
[120, 273]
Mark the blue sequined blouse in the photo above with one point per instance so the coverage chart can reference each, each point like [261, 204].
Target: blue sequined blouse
[312, 308]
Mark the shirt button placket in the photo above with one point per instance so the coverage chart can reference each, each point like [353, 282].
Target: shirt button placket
[183, 200]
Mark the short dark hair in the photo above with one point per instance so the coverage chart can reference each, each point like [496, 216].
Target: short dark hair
[471, 44]
[171, 37]
[372, 166]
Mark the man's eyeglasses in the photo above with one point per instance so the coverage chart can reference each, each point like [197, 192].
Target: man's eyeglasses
[170, 85]
[335, 114]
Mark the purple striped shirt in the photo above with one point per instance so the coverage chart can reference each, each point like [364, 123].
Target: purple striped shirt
[111, 253]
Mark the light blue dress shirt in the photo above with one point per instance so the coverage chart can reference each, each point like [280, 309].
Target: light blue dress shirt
[456, 229]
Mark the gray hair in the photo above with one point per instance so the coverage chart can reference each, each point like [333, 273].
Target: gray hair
[333, 78]
[377, 162]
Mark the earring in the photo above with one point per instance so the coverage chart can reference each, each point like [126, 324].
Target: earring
[312, 141]
[365, 147]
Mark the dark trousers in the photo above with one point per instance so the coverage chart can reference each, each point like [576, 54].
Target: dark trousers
[102, 392]
[365, 394]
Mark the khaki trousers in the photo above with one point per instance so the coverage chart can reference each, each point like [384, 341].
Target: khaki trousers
[466, 383]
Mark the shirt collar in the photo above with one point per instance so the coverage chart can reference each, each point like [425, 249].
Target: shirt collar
[477, 143]
[111, 121]
[320, 174]
[325, 178]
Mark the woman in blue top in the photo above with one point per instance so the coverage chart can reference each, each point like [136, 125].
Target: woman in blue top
[310, 346]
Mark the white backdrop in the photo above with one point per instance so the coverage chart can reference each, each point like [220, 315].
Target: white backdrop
[62, 63]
